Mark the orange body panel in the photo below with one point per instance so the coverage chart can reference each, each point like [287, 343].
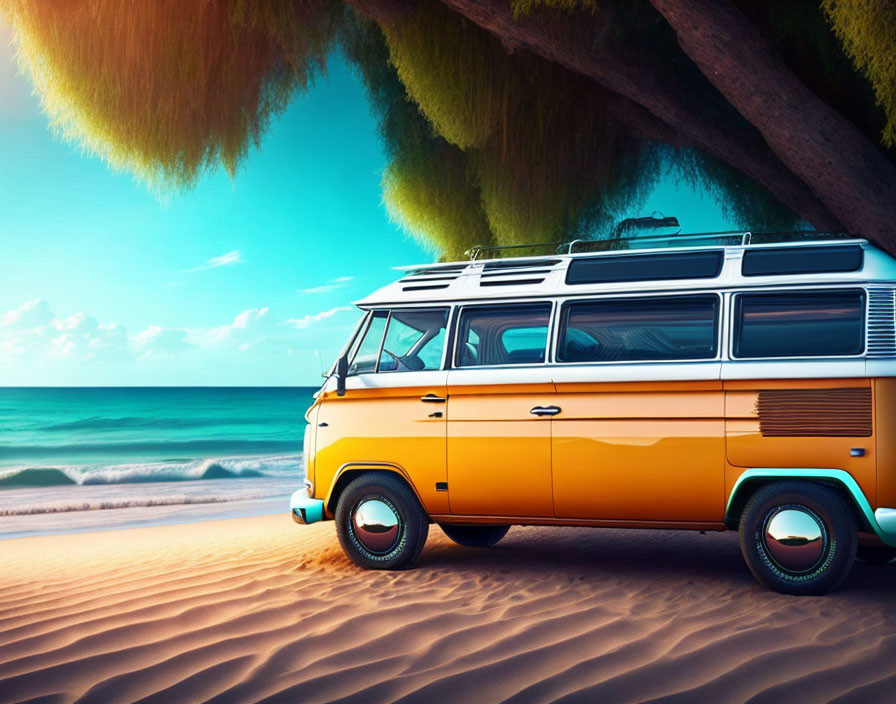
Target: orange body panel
[746, 447]
[384, 426]
[499, 454]
[635, 453]
[885, 440]
[639, 454]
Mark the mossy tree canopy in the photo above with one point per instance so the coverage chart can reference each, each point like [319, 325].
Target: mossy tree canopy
[504, 121]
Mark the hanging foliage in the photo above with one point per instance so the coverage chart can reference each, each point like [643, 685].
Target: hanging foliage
[166, 89]
[867, 29]
[426, 186]
[487, 142]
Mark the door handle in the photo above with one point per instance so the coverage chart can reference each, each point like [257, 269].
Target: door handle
[432, 398]
[545, 411]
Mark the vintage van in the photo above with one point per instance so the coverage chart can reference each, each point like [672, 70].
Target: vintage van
[706, 382]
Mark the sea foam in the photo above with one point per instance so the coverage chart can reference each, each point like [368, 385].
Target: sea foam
[143, 472]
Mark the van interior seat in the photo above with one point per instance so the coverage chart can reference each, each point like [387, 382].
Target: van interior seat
[468, 355]
[526, 357]
[412, 364]
[576, 351]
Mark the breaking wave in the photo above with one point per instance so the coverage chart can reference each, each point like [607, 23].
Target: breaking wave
[143, 472]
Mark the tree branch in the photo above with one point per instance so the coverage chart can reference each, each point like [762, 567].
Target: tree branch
[847, 172]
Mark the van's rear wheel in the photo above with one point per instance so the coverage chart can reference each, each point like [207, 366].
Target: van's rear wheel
[474, 536]
[380, 523]
[798, 537]
[875, 554]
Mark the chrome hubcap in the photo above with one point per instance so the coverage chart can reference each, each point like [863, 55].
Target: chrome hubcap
[795, 538]
[376, 525]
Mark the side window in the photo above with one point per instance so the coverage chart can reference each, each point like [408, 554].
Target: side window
[363, 361]
[799, 324]
[646, 329]
[506, 334]
[414, 340]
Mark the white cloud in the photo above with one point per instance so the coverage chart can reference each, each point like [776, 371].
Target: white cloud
[156, 340]
[233, 257]
[39, 344]
[251, 322]
[308, 320]
[331, 285]
[27, 315]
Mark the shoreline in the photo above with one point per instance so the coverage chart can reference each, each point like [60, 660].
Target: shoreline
[114, 519]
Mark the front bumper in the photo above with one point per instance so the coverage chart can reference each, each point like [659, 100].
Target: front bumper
[305, 510]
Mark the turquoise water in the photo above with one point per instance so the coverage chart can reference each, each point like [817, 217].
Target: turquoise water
[80, 449]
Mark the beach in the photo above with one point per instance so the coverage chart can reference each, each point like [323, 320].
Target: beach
[259, 609]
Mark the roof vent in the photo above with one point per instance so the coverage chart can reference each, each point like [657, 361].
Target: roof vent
[518, 273]
[431, 278]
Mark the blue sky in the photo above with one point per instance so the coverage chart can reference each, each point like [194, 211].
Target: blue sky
[236, 282]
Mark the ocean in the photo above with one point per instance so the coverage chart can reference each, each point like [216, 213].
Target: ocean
[76, 459]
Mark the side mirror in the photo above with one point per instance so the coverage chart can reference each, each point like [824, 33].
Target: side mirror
[341, 373]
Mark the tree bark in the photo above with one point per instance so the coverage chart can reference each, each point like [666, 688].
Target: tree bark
[848, 173]
[648, 82]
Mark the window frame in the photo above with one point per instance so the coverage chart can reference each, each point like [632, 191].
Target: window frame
[360, 328]
[718, 327]
[460, 308]
[368, 321]
[733, 321]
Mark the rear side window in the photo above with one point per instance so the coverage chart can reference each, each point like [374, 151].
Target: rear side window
[644, 267]
[506, 334]
[646, 329]
[799, 324]
[801, 260]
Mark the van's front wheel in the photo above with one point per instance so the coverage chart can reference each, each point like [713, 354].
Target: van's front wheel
[798, 537]
[380, 523]
[474, 536]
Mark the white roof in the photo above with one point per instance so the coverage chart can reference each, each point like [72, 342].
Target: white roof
[546, 276]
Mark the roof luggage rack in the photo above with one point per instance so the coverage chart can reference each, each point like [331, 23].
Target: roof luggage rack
[620, 240]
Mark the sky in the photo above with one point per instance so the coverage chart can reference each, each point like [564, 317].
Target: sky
[238, 282]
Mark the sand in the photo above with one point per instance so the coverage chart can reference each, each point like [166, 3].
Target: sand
[259, 609]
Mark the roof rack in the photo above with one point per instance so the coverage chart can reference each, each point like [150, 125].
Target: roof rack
[703, 239]
[475, 252]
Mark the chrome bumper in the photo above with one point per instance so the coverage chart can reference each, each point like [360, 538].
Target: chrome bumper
[305, 510]
[886, 524]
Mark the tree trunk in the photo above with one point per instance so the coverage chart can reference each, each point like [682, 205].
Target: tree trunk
[575, 43]
[848, 173]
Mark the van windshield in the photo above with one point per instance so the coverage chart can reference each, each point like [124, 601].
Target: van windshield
[400, 341]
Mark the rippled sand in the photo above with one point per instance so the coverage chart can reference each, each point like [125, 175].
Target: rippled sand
[258, 609]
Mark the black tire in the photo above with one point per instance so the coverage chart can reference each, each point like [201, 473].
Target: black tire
[812, 506]
[875, 554]
[410, 531]
[474, 536]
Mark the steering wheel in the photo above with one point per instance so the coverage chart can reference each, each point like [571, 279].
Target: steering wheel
[398, 362]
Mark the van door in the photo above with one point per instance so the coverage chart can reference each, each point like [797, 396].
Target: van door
[640, 434]
[386, 417]
[499, 412]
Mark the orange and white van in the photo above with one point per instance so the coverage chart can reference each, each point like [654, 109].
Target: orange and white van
[724, 382]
